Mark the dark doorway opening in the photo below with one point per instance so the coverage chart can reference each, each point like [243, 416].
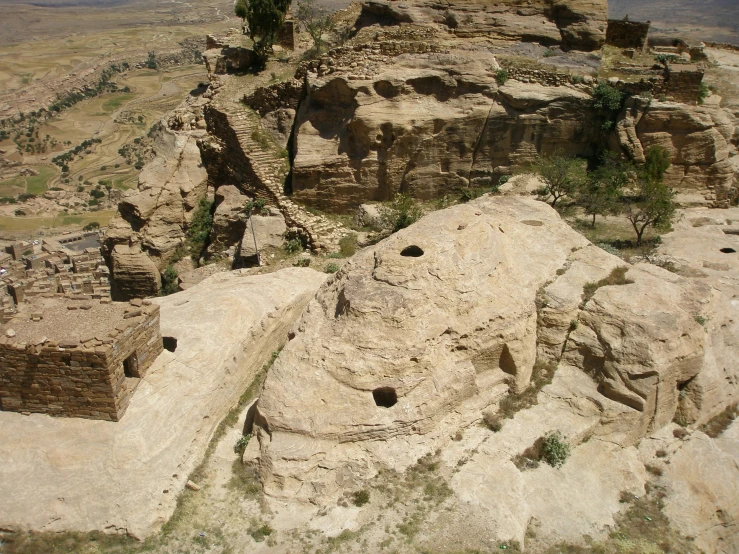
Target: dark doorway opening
[385, 397]
[728, 250]
[131, 366]
[169, 343]
[412, 251]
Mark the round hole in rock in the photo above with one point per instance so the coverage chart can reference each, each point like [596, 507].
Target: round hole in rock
[385, 397]
[412, 251]
[169, 343]
[728, 250]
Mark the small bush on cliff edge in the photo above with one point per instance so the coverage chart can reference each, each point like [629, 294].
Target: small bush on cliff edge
[555, 450]
[402, 212]
[199, 230]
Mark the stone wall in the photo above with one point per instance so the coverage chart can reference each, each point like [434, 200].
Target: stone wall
[286, 35]
[82, 377]
[683, 83]
[627, 34]
[287, 94]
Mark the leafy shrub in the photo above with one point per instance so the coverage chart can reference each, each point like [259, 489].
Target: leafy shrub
[501, 76]
[548, 53]
[97, 193]
[331, 268]
[170, 281]
[302, 262]
[348, 245]
[360, 498]
[199, 230]
[241, 444]
[607, 98]
[703, 91]
[260, 533]
[20, 212]
[402, 212]
[555, 450]
[293, 245]
[503, 180]
[91, 226]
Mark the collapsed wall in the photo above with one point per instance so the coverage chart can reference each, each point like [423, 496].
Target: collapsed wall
[418, 335]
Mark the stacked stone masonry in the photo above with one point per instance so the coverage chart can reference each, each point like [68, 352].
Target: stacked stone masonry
[89, 377]
[627, 34]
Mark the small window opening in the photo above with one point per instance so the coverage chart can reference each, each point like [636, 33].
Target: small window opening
[412, 251]
[131, 366]
[728, 250]
[385, 397]
[169, 343]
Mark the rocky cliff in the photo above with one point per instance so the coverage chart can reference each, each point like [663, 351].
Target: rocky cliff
[419, 335]
[577, 24]
[431, 123]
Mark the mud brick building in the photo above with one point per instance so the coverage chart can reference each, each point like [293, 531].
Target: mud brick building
[77, 357]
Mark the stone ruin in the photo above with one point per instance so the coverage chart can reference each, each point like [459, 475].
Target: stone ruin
[627, 34]
[77, 358]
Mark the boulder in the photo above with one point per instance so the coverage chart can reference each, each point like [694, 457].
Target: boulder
[270, 233]
[133, 274]
[229, 220]
[170, 188]
[427, 329]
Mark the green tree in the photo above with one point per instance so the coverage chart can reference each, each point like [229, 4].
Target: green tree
[602, 191]
[657, 162]
[563, 176]
[265, 18]
[653, 205]
[241, 11]
[315, 19]
[170, 281]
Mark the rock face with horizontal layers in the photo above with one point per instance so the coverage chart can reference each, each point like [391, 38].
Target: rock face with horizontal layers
[576, 24]
[428, 125]
[698, 139]
[444, 319]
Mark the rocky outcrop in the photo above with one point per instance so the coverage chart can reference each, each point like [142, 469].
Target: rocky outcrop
[577, 24]
[428, 125]
[268, 231]
[170, 188]
[229, 219]
[133, 274]
[443, 320]
[698, 139]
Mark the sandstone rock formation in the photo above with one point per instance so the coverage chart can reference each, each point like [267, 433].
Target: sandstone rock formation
[578, 24]
[429, 125]
[125, 477]
[133, 274]
[698, 139]
[170, 187]
[420, 333]
[229, 220]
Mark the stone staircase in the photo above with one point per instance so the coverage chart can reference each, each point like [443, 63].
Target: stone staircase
[320, 233]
